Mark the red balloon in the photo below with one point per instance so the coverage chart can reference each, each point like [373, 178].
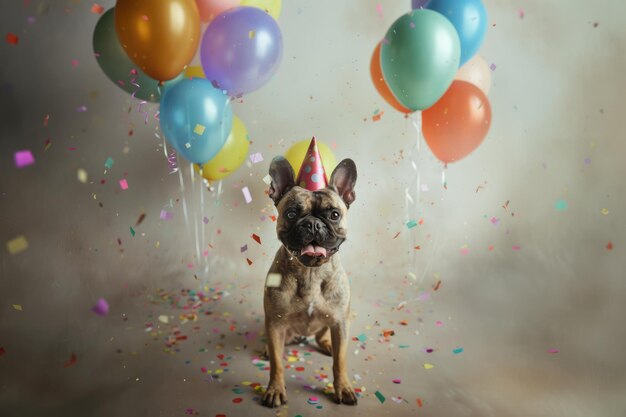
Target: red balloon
[455, 125]
[380, 84]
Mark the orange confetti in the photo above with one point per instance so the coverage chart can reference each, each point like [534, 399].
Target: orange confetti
[249, 261]
[404, 323]
[71, 362]
[387, 333]
[419, 402]
[397, 234]
[437, 285]
[97, 9]
[256, 238]
[609, 246]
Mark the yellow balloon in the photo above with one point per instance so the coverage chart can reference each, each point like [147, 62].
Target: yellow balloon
[232, 154]
[194, 71]
[271, 6]
[160, 36]
[295, 155]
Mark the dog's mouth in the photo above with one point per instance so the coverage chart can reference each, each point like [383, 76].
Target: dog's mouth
[314, 250]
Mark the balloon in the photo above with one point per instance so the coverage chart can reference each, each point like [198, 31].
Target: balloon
[196, 119]
[295, 155]
[469, 18]
[117, 66]
[161, 37]
[241, 50]
[458, 123]
[379, 82]
[270, 6]
[419, 58]
[210, 8]
[231, 156]
[477, 72]
[194, 71]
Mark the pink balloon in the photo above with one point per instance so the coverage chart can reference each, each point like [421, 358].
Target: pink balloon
[210, 8]
[477, 72]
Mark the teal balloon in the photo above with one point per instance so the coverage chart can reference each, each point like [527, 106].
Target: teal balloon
[420, 57]
[117, 65]
[196, 119]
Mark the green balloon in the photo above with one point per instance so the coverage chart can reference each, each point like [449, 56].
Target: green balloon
[118, 67]
[420, 57]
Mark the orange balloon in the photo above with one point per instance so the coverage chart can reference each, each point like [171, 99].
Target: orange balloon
[380, 84]
[455, 125]
[160, 36]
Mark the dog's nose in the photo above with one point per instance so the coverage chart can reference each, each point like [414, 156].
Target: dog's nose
[313, 225]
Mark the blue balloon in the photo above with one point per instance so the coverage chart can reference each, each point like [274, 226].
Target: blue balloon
[196, 119]
[468, 17]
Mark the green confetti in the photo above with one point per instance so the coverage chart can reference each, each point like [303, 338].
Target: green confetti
[404, 346]
[560, 205]
[457, 351]
[108, 164]
[362, 337]
[132, 232]
[411, 224]
[380, 397]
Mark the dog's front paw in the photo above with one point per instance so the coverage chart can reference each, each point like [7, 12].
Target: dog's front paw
[275, 395]
[344, 393]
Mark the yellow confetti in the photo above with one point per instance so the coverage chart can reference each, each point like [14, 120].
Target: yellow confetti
[82, 176]
[17, 245]
[604, 211]
[251, 34]
[246, 383]
[292, 359]
[18, 307]
[273, 280]
[164, 319]
[428, 366]
[199, 129]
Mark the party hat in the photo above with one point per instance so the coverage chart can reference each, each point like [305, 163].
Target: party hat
[312, 175]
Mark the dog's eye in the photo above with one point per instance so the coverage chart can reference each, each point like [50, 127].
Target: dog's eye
[334, 215]
[291, 215]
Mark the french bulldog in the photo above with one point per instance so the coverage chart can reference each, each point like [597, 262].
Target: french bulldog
[313, 297]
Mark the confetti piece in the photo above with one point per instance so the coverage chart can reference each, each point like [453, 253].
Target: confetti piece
[428, 366]
[437, 285]
[199, 129]
[124, 184]
[71, 362]
[17, 307]
[267, 179]
[604, 211]
[132, 232]
[47, 144]
[521, 13]
[141, 218]
[2, 351]
[23, 158]
[12, 38]
[243, 248]
[164, 319]
[81, 109]
[516, 247]
[273, 280]
[609, 246]
[251, 34]
[492, 67]
[17, 245]
[82, 176]
[256, 238]
[101, 308]
[396, 381]
[108, 164]
[411, 224]
[237, 400]
[97, 9]
[187, 145]
[396, 235]
[457, 351]
[495, 221]
[249, 262]
[246, 195]
[419, 402]
[205, 220]
[553, 351]
[376, 117]
[380, 397]
[166, 215]
[560, 205]
[379, 10]
[255, 158]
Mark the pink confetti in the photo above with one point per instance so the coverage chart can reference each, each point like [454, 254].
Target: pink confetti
[246, 195]
[124, 184]
[74, 63]
[425, 296]
[81, 109]
[521, 13]
[23, 158]
[101, 308]
[438, 323]
[516, 247]
[396, 381]
[553, 351]
[166, 215]
[379, 10]
[255, 158]
[495, 221]
[492, 67]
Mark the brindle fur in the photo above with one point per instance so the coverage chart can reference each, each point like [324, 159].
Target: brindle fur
[314, 294]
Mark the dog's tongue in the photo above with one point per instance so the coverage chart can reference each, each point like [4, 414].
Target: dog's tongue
[313, 251]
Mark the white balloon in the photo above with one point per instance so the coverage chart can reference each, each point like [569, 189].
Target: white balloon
[477, 72]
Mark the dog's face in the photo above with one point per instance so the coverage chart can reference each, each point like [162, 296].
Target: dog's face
[312, 224]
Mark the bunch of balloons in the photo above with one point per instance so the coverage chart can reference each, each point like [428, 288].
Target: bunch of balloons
[145, 47]
[427, 62]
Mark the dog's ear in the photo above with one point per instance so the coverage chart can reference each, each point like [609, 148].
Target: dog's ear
[282, 178]
[343, 180]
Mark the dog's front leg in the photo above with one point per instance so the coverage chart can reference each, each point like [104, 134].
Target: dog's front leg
[276, 394]
[344, 393]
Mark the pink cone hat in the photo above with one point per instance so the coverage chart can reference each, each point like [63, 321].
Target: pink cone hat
[312, 175]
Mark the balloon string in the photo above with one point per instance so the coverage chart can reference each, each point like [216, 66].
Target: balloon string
[202, 227]
[443, 176]
[195, 213]
[182, 192]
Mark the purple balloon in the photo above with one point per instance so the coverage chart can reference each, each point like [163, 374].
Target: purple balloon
[241, 50]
